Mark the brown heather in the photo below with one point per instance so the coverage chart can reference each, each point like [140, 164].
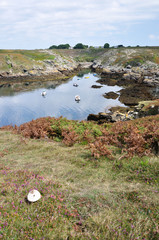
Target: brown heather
[138, 137]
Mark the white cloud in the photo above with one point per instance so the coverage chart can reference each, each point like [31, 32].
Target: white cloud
[55, 19]
[153, 37]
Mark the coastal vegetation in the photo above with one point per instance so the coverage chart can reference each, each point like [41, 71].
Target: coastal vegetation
[36, 62]
[89, 190]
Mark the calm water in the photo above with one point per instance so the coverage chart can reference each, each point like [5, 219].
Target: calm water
[17, 108]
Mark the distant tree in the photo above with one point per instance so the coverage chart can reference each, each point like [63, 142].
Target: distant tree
[91, 47]
[120, 46]
[106, 45]
[80, 46]
[63, 46]
[53, 47]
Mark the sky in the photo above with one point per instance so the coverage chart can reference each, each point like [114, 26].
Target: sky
[38, 24]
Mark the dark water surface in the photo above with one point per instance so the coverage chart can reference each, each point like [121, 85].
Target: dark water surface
[21, 107]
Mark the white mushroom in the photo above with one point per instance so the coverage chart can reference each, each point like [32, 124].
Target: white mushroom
[33, 196]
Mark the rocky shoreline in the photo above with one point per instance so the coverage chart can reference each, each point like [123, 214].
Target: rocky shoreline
[63, 65]
[29, 70]
[140, 92]
[146, 73]
[143, 109]
[140, 82]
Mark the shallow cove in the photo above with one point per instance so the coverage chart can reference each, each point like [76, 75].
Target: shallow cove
[20, 107]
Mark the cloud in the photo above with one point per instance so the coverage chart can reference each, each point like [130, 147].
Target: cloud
[153, 37]
[71, 19]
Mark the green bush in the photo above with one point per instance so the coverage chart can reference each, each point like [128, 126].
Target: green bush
[80, 46]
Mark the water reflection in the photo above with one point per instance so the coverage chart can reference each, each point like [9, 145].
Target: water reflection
[17, 108]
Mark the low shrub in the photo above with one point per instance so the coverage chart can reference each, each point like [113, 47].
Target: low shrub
[137, 137]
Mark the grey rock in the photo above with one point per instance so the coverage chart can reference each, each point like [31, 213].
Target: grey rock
[157, 74]
[96, 64]
[85, 64]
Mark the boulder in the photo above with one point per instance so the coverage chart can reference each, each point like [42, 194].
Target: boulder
[106, 70]
[112, 75]
[151, 81]
[50, 62]
[126, 76]
[111, 95]
[93, 117]
[96, 86]
[96, 64]
[118, 116]
[100, 117]
[157, 74]
[85, 65]
[136, 77]
[147, 108]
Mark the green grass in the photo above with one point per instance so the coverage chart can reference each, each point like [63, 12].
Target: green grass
[82, 197]
[37, 55]
[84, 59]
[32, 54]
[22, 59]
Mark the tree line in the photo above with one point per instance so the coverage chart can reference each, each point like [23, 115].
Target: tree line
[83, 46]
[77, 46]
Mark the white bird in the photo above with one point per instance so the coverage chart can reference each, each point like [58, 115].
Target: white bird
[77, 98]
[43, 93]
[75, 85]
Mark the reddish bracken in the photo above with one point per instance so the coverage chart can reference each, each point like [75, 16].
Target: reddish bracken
[137, 137]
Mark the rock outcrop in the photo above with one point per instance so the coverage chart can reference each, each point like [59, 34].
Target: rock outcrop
[59, 67]
[143, 109]
[111, 95]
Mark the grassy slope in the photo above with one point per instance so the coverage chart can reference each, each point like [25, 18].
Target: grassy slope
[21, 59]
[27, 59]
[115, 199]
